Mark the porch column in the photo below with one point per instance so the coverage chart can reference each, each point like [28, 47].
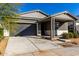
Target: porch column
[74, 26]
[52, 28]
[38, 29]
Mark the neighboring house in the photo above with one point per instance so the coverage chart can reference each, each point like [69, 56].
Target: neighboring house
[38, 23]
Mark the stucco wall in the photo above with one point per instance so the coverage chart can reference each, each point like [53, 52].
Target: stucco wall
[77, 27]
[5, 32]
[63, 29]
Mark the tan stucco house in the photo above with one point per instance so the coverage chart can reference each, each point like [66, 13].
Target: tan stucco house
[38, 23]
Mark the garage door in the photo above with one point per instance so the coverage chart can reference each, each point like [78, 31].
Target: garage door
[25, 30]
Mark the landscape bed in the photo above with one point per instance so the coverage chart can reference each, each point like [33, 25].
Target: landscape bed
[3, 44]
[71, 42]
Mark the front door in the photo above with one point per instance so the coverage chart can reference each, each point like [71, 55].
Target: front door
[45, 28]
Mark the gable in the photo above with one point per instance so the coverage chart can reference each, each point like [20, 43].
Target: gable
[64, 17]
[36, 14]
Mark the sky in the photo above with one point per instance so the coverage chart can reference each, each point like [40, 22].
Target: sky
[51, 8]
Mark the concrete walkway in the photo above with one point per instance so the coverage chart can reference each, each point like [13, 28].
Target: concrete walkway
[27, 45]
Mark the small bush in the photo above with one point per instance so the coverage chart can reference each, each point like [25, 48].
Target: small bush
[1, 32]
[76, 35]
[70, 35]
[65, 35]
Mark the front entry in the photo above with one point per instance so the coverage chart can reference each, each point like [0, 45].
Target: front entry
[60, 28]
[45, 28]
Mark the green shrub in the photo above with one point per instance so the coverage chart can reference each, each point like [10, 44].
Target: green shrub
[1, 32]
[76, 35]
[65, 35]
[70, 35]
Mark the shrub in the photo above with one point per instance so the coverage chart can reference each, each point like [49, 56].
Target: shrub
[70, 35]
[65, 35]
[1, 32]
[76, 35]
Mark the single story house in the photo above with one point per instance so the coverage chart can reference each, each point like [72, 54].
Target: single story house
[38, 23]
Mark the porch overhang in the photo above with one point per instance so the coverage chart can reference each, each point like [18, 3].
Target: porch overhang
[63, 17]
[59, 17]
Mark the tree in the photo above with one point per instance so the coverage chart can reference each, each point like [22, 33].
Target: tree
[8, 14]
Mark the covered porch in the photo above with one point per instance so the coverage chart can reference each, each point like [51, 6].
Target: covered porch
[55, 25]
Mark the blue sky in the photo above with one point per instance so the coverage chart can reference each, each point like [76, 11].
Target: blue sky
[51, 8]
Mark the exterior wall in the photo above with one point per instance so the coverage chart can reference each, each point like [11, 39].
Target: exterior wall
[59, 32]
[77, 24]
[25, 21]
[62, 29]
[77, 27]
[5, 32]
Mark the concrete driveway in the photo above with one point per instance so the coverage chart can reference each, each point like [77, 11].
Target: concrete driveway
[33, 46]
[27, 45]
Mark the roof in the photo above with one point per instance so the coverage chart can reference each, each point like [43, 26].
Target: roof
[35, 11]
[54, 15]
[64, 17]
[67, 13]
[64, 12]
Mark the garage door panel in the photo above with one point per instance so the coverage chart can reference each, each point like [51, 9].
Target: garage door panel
[31, 30]
[24, 30]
